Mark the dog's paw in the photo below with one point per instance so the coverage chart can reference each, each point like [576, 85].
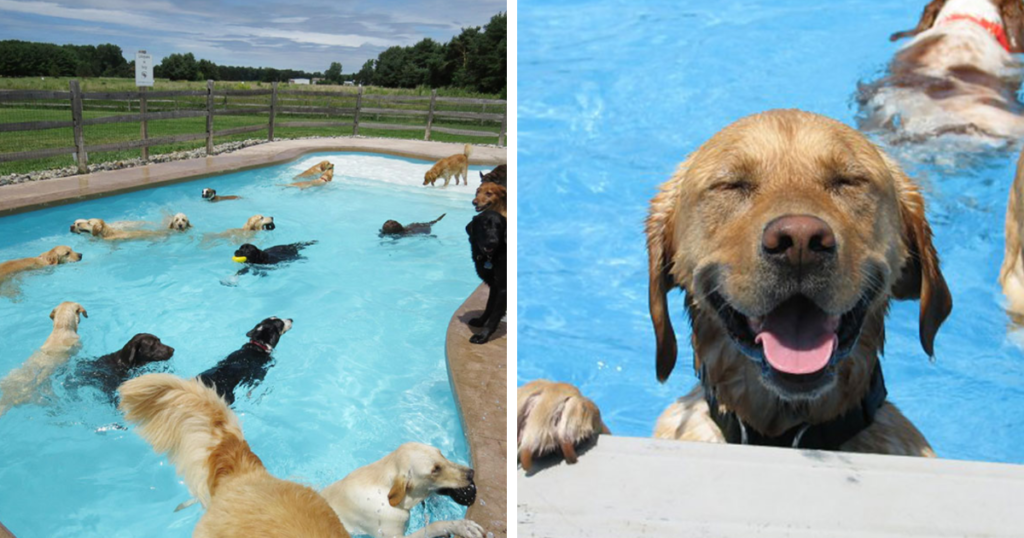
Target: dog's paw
[479, 338]
[477, 322]
[466, 529]
[554, 418]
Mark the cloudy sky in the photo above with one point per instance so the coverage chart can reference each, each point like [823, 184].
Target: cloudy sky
[295, 34]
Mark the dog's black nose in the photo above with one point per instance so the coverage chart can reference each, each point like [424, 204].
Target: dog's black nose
[469, 475]
[798, 240]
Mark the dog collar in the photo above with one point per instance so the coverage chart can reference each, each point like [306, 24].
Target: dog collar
[266, 349]
[824, 436]
[994, 28]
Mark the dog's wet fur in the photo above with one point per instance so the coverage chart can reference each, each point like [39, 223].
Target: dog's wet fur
[247, 366]
[487, 239]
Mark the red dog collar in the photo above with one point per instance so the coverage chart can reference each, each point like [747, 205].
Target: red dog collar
[995, 29]
[266, 349]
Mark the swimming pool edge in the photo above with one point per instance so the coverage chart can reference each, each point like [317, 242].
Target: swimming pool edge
[33, 195]
[477, 374]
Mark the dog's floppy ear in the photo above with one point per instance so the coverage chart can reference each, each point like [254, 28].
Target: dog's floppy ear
[1012, 13]
[97, 228]
[398, 490]
[928, 17]
[79, 309]
[51, 258]
[661, 250]
[131, 347]
[53, 313]
[252, 333]
[920, 277]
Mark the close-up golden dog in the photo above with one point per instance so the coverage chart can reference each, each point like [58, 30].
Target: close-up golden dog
[324, 179]
[203, 439]
[317, 169]
[455, 166]
[957, 75]
[54, 256]
[254, 224]
[790, 233]
[31, 381]
[376, 499]
[491, 196]
[118, 231]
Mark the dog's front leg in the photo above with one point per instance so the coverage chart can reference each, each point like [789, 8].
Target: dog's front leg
[457, 527]
[496, 304]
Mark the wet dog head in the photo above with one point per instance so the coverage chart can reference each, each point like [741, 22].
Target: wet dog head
[143, 349]
[66, 316]
[59, 255]
[489, 196]
[179, 222]
[249, 253]
[790, 232]
[209, 194]
[269, 331]
[392, 227]
[486, 234]
[422, 470]
[259, 222]
[95, 227]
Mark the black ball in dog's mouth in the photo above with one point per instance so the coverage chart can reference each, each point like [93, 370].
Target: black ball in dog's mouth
[269, 226]
[465, 496]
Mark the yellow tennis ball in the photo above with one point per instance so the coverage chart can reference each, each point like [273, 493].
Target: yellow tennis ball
[239, 259]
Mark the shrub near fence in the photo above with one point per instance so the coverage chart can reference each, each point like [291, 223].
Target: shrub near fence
[123, 122]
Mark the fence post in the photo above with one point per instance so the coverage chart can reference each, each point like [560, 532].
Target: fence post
[76, 120]
[504, 120]
[209, 117]
[273, 111]
[359, 105]
[430, 114]
[144, 129]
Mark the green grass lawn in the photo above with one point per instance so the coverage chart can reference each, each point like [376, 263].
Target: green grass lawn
[59, 110]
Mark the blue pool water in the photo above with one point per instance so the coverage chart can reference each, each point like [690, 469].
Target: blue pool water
[613, 95]
[361, 371]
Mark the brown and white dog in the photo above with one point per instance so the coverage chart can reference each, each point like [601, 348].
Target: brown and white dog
[956, 76]
[455, 166]
[491, 196]
[376, 499]
[116, 231]
[211, 195]
[54, 256]
[317, 169]
[324, 179]
[790, 233]
[203, 440]
[30, 381]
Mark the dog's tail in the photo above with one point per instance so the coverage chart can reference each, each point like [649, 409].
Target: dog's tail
[435, 221]
[191, 424]
[468, 150]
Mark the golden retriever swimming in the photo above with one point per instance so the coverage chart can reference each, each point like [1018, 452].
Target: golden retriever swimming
[957, 75]
[203, 440]
[54, 256]
[317, 169]
[324, 179]
[254, 224]
[118, 231]
[790, 233]
[376, 499]
[455, 166]
[491, 196]
[31, 381]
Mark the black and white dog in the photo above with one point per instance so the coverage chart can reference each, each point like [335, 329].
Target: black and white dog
[487, 239]
[249, 365]
[109, 371]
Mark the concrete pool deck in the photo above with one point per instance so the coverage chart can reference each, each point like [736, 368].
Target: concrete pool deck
[478, 375]
[626, 486]
[38, 194]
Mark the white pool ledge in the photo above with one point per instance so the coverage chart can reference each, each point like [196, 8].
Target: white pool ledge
[625, 487]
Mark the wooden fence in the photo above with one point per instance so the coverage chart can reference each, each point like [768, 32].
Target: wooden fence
[279, 108]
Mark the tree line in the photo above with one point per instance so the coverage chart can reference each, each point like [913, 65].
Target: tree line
[475, 59]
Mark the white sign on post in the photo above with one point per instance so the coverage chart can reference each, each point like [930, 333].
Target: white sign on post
[143, 69]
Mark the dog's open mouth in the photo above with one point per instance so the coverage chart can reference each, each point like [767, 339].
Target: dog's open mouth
[465, 496]
[797, 341]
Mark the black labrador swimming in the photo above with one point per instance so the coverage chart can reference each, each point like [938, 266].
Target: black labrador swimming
[109, 371]
[393, 228]
[255, 258]
[487, 239]
[249, 365]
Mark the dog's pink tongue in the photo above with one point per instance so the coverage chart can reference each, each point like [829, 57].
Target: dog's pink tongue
[798, 338]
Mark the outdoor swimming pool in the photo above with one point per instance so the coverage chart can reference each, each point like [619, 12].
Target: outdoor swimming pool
[612, 96]
[362, 370]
